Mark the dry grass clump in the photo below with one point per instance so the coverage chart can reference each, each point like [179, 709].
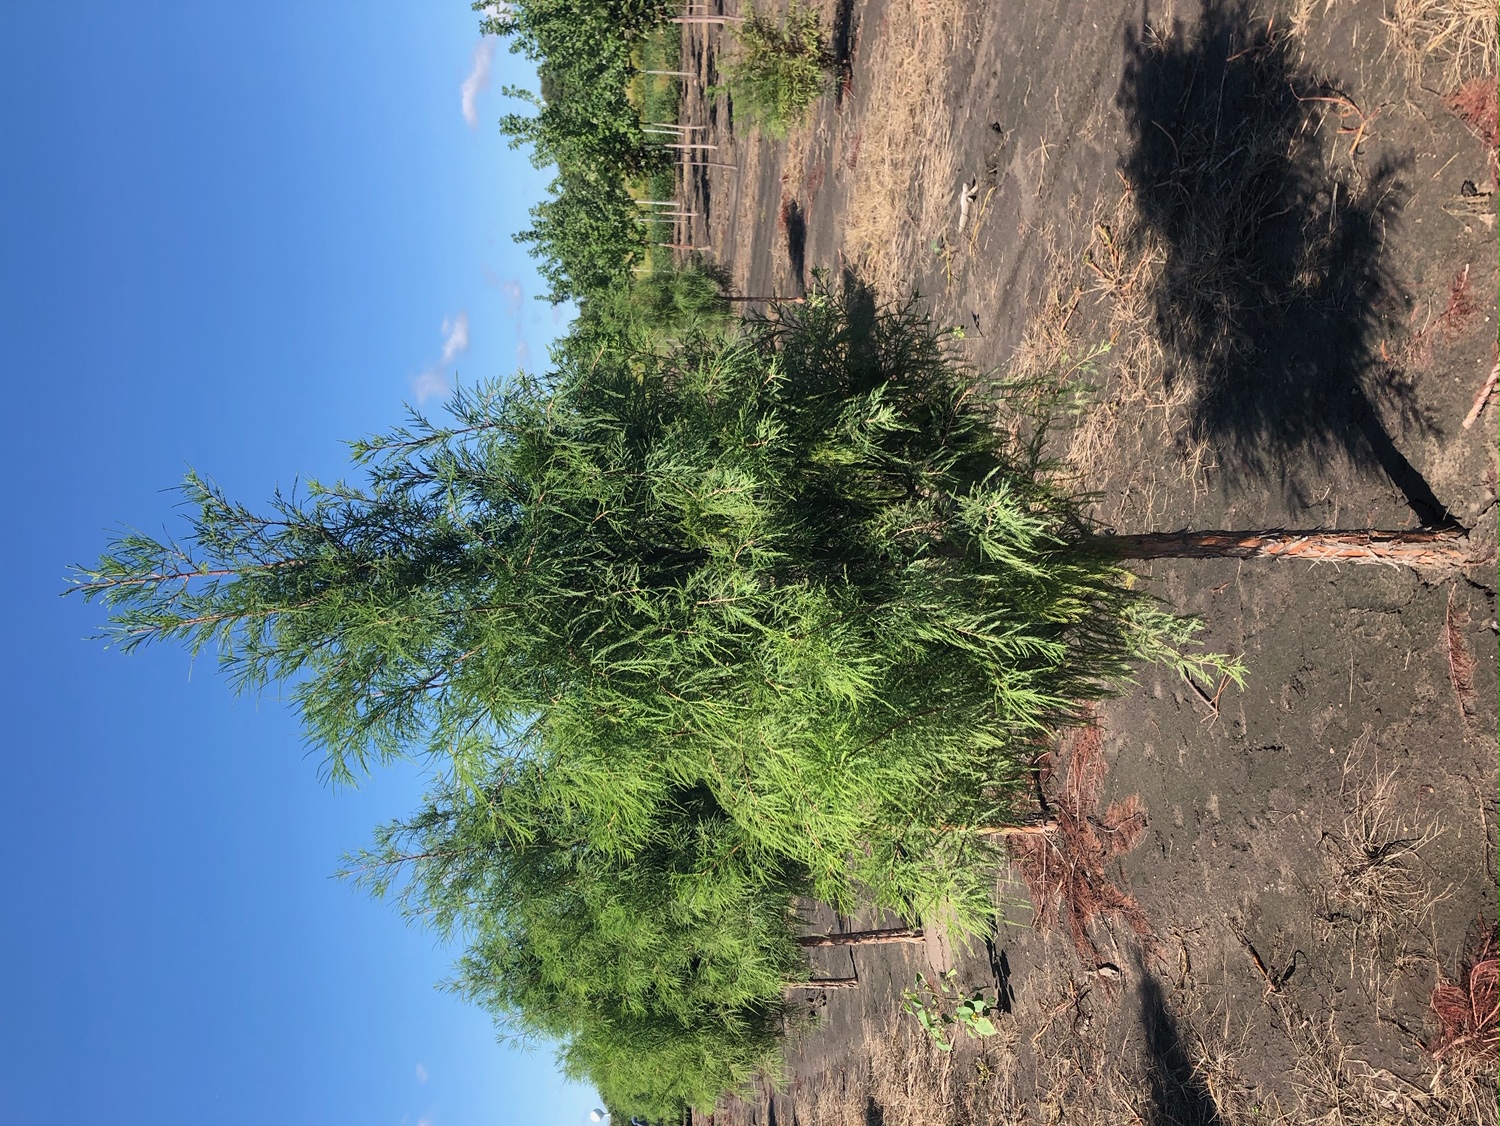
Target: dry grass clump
[1124, 261]
[1056, 1062]
[1457, 34]
[904, 185]
[1374, 889]
[904, 1080]
[1334, 1087]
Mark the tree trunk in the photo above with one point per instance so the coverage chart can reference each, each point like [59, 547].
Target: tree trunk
[862, 938]
[1039, 828]
[825, 983]
[1440, 548]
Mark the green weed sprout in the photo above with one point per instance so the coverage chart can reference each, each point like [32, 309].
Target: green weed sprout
[940, 1006]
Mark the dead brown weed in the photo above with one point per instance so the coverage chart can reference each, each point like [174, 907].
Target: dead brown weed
[1475, 104]
[1460, 660]
[1415, 354]
[1467, 1009]
[1065, 871]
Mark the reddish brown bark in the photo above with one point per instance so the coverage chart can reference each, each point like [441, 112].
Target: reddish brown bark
[1439, 548]
[861, 938]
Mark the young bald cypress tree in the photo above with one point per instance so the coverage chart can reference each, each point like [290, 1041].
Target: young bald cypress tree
[794, 567]
[684, 632]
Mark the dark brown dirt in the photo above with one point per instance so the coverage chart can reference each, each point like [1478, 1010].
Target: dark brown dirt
[1320, 315]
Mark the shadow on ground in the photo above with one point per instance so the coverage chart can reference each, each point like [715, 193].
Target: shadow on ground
[1273, 298]
[1179, 1096]
[841, 49]
[794, 223]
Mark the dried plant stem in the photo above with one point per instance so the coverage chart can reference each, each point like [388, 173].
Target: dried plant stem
[825, 983]
[1460, 663]
[1019, 830]
[1482, 398]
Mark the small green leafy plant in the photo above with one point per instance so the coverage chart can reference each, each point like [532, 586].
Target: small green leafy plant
[779, 69]
[941, 1006]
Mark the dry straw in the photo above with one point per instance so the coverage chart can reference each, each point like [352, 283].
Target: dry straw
[906, 172]
[1457, 34]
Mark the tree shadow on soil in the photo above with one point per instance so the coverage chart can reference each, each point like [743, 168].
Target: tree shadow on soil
[841, 49]
[1179, 1096]
[1005, 994]
[794, 223]
[1273, 295]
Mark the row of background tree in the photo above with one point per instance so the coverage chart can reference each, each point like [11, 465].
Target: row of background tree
[589, 124]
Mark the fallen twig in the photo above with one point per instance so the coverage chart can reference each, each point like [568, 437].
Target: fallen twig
[825, 983]
[966, 198]
[1460, 663]
[1272, 985]
[1482, 398]
[1020, 830]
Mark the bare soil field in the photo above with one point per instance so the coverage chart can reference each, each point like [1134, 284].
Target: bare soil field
[1257, 245]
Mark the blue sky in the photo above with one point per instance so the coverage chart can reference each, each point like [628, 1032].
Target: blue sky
[231, 236]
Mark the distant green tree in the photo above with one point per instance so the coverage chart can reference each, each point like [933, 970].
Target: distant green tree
[585, 236]
[779, 68]
[649, 312]
[658, 959]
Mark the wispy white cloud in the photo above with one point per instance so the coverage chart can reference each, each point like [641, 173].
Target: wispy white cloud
[479, 77]
[434, 381]
[455, 336]
[431, 384]
[523, 355]
[421, 1073]
[515, 296]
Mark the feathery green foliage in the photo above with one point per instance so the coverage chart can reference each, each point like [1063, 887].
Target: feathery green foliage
[665, 956]
[648, 313]
[795, 566]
